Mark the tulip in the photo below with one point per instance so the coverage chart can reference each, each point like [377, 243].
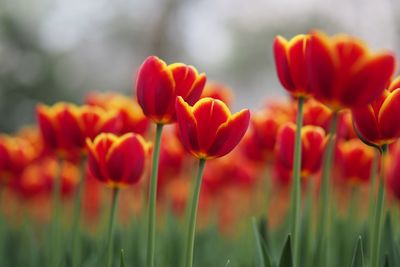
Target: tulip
[157, 86]
[377, 123]
[208, 130]
[313, 141]
[117, 162]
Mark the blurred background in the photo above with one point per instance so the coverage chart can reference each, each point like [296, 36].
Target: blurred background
[52, 50]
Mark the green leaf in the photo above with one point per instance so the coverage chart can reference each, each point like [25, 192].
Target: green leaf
[286, 256]
[386, 261]
[262, 253]
[122, 258]
[358, 257]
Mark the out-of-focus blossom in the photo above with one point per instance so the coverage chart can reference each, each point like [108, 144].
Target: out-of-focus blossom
[345, 126]
[218, 91]
[393, 171]
[290, 64]
[313, 141]
[354, 161]
[377, 123]
[208, 129]
[65, 126]
[15, 154]
[158, 85]
[130, 113]
[344, 73]
[317, 114]
[117, 161]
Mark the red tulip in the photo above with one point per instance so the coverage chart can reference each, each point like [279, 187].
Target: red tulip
[291, 65]
[117, 161]
[313, 141]
[377, 123]
[208, 129]
[158, 85]
[342, 72]
[317, 114]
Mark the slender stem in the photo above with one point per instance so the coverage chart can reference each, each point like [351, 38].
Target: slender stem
[55, 256]
[110, 239]
[296, 185]
[378, 218]
[324, 208]
[151, 236]
[76, 216]
[193, 214]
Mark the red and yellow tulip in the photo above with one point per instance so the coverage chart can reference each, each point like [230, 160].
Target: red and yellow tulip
[208, 129]
[117, 161]
[343, 73]
[158, 85]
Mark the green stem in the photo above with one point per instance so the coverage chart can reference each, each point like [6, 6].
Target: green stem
[324, 208]
[295, 220]
[151, 236]
[378, 218]
[193, 214]
[110, 239]
[76, 216]
[55, 243]
[372, 196]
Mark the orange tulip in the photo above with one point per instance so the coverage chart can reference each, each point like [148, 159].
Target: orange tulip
[342, 72]
[65, 127]
[208, 129]
[291, 65]
[313, 141]
[117, 161]
[158, 85]
[377, 123]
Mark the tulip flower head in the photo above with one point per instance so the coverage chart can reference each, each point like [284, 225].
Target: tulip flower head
[208, 129]
[290, 64]
[377, 123]
[65, 126]
[158, 85]
[344, 73]
[313, 142]
[117, 161]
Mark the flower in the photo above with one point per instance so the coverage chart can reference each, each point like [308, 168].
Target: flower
[317, 114]
[354, 161]
[218, 91]
[158, 85]
[130, 113]
[342, 72]
[377, 123]
[208, 129]
[313, 141]
[117, 161]
[291, 65]
[65, 126]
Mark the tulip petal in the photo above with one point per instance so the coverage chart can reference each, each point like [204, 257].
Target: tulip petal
[210, 114]
[285, 145]
[366, 123]
[155, 88]
[187, 125]
[229, 134]
[47, 127]
[197, 89]
[389, 115]
[296, 59]
[282, 65]
[369, 81]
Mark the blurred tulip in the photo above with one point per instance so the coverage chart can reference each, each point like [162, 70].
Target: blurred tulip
[354, 161]
[130, 113]
[158, 85]
[377, 123]
[317, 114]
[343, 72]
[208, 129]
[65, 126]
[313, 141]
[117, 161]
[218, 91]
[291, 65]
